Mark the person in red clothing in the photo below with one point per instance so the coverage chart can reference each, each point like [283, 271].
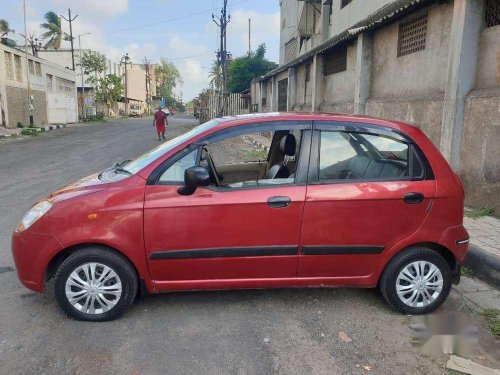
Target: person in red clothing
[161, 123]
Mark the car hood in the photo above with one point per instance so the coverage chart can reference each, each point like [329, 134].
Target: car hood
[86, 185]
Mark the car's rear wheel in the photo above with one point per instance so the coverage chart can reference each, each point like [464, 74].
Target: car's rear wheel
[416, 281]
[95, 284]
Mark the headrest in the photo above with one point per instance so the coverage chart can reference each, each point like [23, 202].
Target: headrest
[288, 144]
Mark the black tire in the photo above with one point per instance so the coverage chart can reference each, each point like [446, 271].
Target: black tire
[401, 260]
[102, 255]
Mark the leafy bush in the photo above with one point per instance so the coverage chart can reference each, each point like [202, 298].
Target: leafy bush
[20, 125]
[99, 115]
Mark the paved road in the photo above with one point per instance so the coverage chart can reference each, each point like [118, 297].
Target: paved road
[228, 332]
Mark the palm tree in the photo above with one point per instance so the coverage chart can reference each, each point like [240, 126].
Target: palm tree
[54, 32]
[215, 75]
[5, 28]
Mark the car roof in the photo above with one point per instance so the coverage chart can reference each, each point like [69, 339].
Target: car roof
[228, 121]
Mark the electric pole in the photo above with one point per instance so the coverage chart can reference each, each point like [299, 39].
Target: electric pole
[249, 33]
[222, 54]
[147, 67]
[125, 60]
[70, 20]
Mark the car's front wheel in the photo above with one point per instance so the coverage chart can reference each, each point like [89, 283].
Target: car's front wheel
[416, 281]
[95, 284]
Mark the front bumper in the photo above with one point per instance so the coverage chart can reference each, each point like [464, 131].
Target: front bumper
[32, 253]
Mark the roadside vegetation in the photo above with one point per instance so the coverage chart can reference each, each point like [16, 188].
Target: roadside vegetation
[492, 317]
[476, 213]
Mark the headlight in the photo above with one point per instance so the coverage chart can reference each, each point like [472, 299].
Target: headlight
[35, 213]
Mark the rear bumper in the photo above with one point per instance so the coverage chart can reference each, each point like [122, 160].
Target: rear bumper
[32, 253]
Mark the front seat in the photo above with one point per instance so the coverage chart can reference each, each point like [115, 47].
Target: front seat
[288, 145]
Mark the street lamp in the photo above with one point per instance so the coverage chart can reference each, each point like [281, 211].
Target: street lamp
[125, 60]
[84, 109]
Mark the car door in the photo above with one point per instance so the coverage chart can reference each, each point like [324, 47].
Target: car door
[245, 232]
[368, 189]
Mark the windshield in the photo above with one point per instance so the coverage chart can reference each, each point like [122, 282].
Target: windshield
[136, 165]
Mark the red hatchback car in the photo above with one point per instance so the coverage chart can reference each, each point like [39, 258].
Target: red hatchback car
[257, 201]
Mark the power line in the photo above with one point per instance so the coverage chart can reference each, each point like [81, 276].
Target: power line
[170, 19]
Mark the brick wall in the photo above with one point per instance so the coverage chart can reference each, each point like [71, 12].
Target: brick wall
[17, 105]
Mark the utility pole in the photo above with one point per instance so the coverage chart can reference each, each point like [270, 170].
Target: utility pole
[70, 20]
[84, 107]
[125, 60]
[249, 33]
[30, 97]
[147, 67]
[222, 55]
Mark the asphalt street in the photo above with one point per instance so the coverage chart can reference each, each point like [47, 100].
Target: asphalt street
[287, 331]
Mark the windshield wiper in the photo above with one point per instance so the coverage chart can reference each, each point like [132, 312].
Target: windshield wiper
[117, 168]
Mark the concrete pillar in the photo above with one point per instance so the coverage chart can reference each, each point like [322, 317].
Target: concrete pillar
[326, 5]
[462, 61]
[317, 81]
[292, 88]
[363, 77]
[259, 103]
[274, 94]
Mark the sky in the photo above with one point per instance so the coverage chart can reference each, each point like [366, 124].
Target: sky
[179, 30]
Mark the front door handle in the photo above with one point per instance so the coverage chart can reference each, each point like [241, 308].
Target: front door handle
[279, 202]
[413, 198]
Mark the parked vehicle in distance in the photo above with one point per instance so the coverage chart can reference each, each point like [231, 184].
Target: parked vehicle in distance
[135, 110]
[334, 200]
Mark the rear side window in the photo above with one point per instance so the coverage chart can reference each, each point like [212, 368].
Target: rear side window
[361, 156]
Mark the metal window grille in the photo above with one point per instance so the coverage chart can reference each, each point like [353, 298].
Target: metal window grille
[282, 94]
[492, 13]
[290, 50]
[344, 3]
[31, 66]
[412, 35]
[19, 68]
[9, 70]
[335, 61]
[49, 79]
[38, 69]
[308, 72]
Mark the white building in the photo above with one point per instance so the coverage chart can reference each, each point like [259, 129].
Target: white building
[53, 90]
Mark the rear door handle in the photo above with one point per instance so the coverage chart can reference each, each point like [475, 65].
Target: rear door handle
[279, 202]
[413, 198]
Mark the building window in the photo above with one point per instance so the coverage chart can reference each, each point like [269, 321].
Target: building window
[412, 35]
[492, 13]
[9, 70]
[335, 61]
[50, 84]
[64, 85]
[38, 69]
[344, 3]
[31, 66]
[308, 72]
[19, 68]
[290, 50]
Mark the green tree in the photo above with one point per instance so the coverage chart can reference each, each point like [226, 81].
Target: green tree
[215, 75]
[4, 28]
[108, 89]
[243, 69]
[167, 78]
[54, 32]
[93, 63]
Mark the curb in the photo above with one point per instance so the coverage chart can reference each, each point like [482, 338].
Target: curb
[486, 267]
[47, 128]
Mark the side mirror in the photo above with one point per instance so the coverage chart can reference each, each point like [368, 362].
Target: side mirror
[194, 177]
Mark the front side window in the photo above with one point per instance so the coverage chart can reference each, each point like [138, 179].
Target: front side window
[175, 173]
[359, 156]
